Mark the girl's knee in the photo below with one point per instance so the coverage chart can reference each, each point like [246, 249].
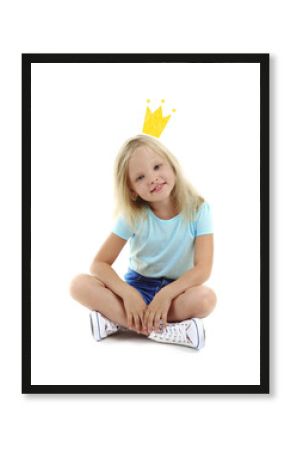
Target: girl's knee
[77, 285]
[203, 300]
[208, 299]
[211, 298]
[80, 282]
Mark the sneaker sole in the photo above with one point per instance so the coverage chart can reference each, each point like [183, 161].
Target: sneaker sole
[95, 326]
[200, 333]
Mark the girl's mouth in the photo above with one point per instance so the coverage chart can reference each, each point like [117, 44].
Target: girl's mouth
[158, 188]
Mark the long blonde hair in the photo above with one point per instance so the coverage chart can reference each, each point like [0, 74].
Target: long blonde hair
[185, 197]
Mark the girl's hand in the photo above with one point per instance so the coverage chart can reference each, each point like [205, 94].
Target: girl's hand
[134, 307]
[157, 311]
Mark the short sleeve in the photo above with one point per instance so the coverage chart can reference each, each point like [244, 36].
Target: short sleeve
[122, 229]
[203, 223]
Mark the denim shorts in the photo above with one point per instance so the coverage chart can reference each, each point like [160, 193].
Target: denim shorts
[146, 286]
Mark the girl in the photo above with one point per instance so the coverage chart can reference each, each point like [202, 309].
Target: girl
[171, 252]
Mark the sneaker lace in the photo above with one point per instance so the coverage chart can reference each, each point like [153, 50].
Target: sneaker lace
[174, 333]
[110, 327]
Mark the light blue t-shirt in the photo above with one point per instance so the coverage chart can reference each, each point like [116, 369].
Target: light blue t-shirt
[164, 248]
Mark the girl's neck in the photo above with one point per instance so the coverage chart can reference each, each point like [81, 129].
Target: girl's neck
[164, 210]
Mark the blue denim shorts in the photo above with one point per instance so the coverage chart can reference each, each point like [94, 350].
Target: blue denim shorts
[146, 286]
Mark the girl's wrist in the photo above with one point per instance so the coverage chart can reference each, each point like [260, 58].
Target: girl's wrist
[124, 290]
[167, 292]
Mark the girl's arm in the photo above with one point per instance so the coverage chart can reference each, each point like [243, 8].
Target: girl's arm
[101, 268]
[203, 260]
[101, 265]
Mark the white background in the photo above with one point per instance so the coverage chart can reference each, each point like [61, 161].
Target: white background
[81, 114]
[62, 421]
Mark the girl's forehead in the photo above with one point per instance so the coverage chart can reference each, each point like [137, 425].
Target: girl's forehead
[142, 153]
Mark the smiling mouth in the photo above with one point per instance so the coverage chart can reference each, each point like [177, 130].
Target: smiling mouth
[158, 188]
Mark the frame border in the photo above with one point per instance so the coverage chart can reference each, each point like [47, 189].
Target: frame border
[260, 58]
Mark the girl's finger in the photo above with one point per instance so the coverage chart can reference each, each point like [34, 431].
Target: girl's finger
[137, 323]
[145, 319]
[130, 320]
[157, 322]
[164, 320]
[150, 321]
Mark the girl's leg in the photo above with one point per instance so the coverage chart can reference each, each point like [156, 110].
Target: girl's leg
[198, 301]
[92, 293]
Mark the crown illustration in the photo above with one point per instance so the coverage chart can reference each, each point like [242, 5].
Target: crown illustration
[154, 122]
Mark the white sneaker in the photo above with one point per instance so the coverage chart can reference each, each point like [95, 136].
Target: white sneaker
[190, 333]
[101, 326]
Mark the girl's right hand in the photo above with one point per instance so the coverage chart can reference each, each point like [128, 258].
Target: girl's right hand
[134, 307]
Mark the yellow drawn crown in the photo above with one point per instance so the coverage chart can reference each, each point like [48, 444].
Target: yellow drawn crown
[154, 122]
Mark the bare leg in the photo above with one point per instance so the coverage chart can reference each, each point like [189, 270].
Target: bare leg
[92, 293]
[198, 301]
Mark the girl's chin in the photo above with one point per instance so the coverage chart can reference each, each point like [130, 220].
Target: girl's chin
[159, 199]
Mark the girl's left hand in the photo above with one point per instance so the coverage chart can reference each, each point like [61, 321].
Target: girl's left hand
[156, 312]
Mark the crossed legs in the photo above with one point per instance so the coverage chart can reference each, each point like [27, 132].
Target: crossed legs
[198, 301]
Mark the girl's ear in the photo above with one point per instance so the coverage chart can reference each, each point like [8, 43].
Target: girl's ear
[133, 195]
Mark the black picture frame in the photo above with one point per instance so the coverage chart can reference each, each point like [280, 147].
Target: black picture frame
[27, 61]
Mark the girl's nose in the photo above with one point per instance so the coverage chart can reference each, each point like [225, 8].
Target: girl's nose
[154, 178]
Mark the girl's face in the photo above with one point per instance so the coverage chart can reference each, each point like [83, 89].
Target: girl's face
[151, 176]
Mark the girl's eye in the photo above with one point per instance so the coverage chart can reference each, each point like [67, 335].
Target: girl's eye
[157, 166]
[140, 178]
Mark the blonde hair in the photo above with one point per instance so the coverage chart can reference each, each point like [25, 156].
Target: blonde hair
[185, 197]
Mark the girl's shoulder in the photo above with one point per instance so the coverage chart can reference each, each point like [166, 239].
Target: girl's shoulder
[122, 228]
[125, 229]
[203, 209]
[202, 223]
